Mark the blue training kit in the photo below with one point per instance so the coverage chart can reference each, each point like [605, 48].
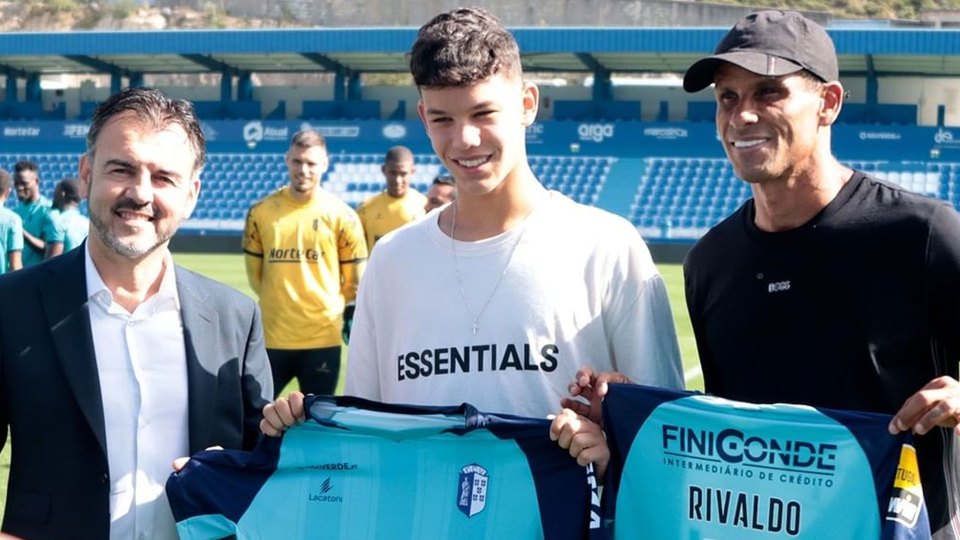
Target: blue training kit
[687, 465]
[362, 469]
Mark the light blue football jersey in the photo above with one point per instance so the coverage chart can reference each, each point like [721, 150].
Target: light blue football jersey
[37, 221]
[359, 469]
[73, 227]
[697, 467]
[11, 236]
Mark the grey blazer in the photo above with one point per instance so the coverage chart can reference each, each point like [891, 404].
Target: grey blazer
[50, 391]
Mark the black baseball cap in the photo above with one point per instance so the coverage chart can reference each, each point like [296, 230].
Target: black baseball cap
[771, 43]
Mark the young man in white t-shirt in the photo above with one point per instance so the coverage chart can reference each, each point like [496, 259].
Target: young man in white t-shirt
[498, 298]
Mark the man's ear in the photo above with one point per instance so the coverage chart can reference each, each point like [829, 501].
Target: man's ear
[85, 171]
[531, 102]
[831, 102]
[193, 195]
[422, 112]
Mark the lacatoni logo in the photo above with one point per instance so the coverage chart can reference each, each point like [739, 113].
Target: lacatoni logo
[472, 492]
[732, 446]
[394, 131]
[595, 132]
[322, 493]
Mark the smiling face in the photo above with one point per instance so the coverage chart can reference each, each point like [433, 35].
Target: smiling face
[770, 127]
[306, 165]
[27, 185]
[478, 131]
[140, 183]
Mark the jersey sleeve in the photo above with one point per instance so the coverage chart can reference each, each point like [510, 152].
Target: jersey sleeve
[54, 228]
[352, 248]
[15, 234]
[363, 212]
[363, 367]
[252, 244]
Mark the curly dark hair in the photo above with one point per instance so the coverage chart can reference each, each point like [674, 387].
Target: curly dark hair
[462, 47]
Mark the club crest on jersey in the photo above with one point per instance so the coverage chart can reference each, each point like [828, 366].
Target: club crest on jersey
[472, 490]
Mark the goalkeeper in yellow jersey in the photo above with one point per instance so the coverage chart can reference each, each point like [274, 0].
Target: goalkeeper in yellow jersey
[304, 250]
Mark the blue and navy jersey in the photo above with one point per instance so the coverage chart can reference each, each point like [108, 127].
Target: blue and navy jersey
[692, 466]
[362, 469]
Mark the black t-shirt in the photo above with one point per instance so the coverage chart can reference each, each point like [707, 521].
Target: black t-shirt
[856, 309]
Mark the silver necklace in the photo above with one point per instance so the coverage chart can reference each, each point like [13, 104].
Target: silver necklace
[456, 265]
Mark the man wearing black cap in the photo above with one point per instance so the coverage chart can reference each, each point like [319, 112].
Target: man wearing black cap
[828, 287]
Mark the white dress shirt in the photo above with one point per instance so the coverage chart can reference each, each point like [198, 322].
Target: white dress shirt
[141, 362]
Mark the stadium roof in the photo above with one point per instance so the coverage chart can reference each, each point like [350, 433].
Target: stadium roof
[876, 52]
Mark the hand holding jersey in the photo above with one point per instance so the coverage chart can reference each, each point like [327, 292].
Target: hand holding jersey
[282, 414]
[179, 463]
[936, 404]
[584, 439]
[576, 427]
[591, 386]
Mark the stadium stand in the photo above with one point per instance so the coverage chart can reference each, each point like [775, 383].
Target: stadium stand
[233, 181]
[31, 110]
[353, 110]
[666, 174]
[890, 113]
[675, 198]
[680, 198]
[223, 110]
[596, 110]
[701, 111]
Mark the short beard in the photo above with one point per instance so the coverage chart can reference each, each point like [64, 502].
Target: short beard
[130, 250]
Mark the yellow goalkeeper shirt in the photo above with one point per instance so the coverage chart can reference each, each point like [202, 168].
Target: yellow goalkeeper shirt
[382, 213]
[304, 260]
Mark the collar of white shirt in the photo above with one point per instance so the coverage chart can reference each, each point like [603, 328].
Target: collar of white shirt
[98, 292]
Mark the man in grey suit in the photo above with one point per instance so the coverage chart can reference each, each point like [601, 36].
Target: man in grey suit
[113, 361]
